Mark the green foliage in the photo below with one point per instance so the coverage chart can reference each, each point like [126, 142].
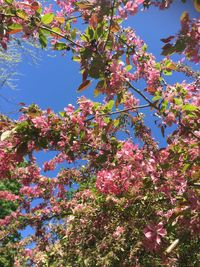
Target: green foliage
[6, 207]
[47, 18]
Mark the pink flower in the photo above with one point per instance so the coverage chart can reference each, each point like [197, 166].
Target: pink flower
[153, 234]
[41, 122]
[6, 195]
[49, 166]
[130, 152]
[108, 181]
[170, 118]
[69, 109]
[118, 232]
[130, 101]
[131, 7]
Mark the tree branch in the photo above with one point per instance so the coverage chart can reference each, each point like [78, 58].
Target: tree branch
[118, 111]
[143, 96]
[40, 26]
[111, 20]
[59, 34]
[157, 108]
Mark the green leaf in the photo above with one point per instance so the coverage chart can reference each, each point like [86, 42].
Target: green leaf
[67, 26]
[21, 14]
[167, 73]
[99, 31]
[158, 66]
[56, 30]
[128, 67]
[186, 166]
[91, 33]
[189, 107]
[9, 1]
[42, 39]
[178, 101]
[144, 48]
[164, 105]
[116, 122]
[106, 120]
[45, 31]
[60, 46]
[15, 26]
[110, 104]
[73, 33]
[62, 113]
[157, 97]
[47, 18]
[76, 58]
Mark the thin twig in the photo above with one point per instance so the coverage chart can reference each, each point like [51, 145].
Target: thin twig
[143, 96]
[111, 21]
[59, 34]
[74, 18]
[40, 26]
[118, 111]
[157, 108]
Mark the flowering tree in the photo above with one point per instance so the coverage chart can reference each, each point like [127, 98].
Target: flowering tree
[136, 204]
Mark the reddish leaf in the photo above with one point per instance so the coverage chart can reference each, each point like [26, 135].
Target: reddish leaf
[114, 26]
[61, 20]
[163, 131]
[168, 49]
[84, 85]
[22, 104]
[14, 31]
[151, 89]
[85, 75]
[94, 20]
[127, 60]
[4, 45]
[35, 6]
[49, 111]
[85, 5]
[168, 39]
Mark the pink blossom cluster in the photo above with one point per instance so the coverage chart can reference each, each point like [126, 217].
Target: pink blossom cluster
[67, 6]
[126, 176]
[113, 181]
[190, 31]
[146, 68]
[131, 8]
[118, 74]
[6, 195]
[31, 192]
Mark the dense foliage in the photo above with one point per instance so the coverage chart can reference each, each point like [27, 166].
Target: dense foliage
[136, 204]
